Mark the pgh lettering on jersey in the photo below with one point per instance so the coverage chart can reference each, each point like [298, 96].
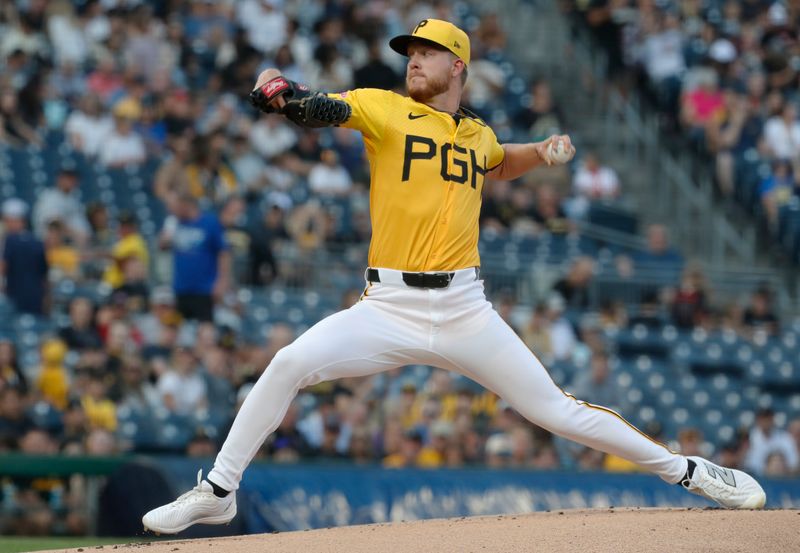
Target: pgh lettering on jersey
[428, 173]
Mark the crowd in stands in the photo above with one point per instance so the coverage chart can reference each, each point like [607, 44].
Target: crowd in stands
[140, 329]
[726, 78]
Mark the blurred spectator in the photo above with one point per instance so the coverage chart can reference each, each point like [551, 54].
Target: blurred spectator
[209, 175]
[376, 73]
[349, 145]
[434, 454]
[123, 145]
[265, 23]
[11, 376]
[548, 213]
[62, 257]
[161, 314]
[562, 334]
[730, 453]
[329, 178]
[497, 214]
[218, 376]
[183, 389]
[574, 286]
[264, 239]
[63, 203]
[52, 382]
[731, 135]
[232, 217]
[597, 385]
[287, 443]
[690, 441]
[14, 421]
[659, 255]
[201, 445]
[329, 70]
[499, 448]
[247, 165]
[540, 118]
[592, 182]
[105, 80]
[272, 136]
[134, 290]
[134, 390]
[100, 411]
[75, 424]
[201, 259]
[172, 177]
[765, 440]
[782, 134]
[662, 55]
[100, 443]
[777, 189]
[536, 333]
[15, 130]
[130, 246]
[776, 465]
[690, 302]
[88, 126]
[407, 452]
[760, 313]
[81, 333]
[101, 238]
[702, 104]
[24, 261]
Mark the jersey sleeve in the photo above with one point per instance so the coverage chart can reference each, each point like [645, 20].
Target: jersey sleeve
[496, 152]
[370, 110]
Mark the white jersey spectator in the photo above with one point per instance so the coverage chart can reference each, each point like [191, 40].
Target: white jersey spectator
[766, 439]
[272, 136]
[265, 23]
[662, 52]
[123, 146]
[87, 128]
[66, 34]
[62, 203]
[782, 133]
[329, 178]
[595, 181]
[183, 388]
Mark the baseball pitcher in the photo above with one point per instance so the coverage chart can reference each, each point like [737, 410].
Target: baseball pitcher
[424, 301]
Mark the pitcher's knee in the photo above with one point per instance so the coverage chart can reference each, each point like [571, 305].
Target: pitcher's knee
[292, 366]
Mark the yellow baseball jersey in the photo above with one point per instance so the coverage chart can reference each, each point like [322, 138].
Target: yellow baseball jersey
[427, 176]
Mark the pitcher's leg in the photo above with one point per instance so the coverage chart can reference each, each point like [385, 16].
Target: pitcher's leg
[354, 342]
[496, 358]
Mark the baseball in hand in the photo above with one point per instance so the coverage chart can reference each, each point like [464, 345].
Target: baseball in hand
[558, 152]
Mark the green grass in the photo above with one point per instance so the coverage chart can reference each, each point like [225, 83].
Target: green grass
[17, 544]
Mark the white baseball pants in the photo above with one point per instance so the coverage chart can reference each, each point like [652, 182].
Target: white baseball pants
[453, 328]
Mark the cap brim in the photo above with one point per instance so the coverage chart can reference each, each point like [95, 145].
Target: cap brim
[400, 43]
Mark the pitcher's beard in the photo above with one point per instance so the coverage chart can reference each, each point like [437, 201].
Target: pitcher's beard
[432, 87]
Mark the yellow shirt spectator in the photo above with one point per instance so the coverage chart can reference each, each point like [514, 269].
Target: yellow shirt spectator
[132, 245]
[101, 413]
[52, 382]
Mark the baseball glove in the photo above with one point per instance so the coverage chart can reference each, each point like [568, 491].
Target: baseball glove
[303, 107]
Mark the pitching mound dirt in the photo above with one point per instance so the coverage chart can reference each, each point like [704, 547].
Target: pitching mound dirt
[598, 531]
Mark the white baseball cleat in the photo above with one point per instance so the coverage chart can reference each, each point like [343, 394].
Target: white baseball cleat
[731, 488]
[197, 506]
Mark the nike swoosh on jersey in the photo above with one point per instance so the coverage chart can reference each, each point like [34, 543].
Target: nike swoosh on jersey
[416, 116]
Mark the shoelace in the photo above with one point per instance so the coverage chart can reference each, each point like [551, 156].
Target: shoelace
[195, 493]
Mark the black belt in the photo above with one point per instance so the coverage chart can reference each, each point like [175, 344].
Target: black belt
[418, 280]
